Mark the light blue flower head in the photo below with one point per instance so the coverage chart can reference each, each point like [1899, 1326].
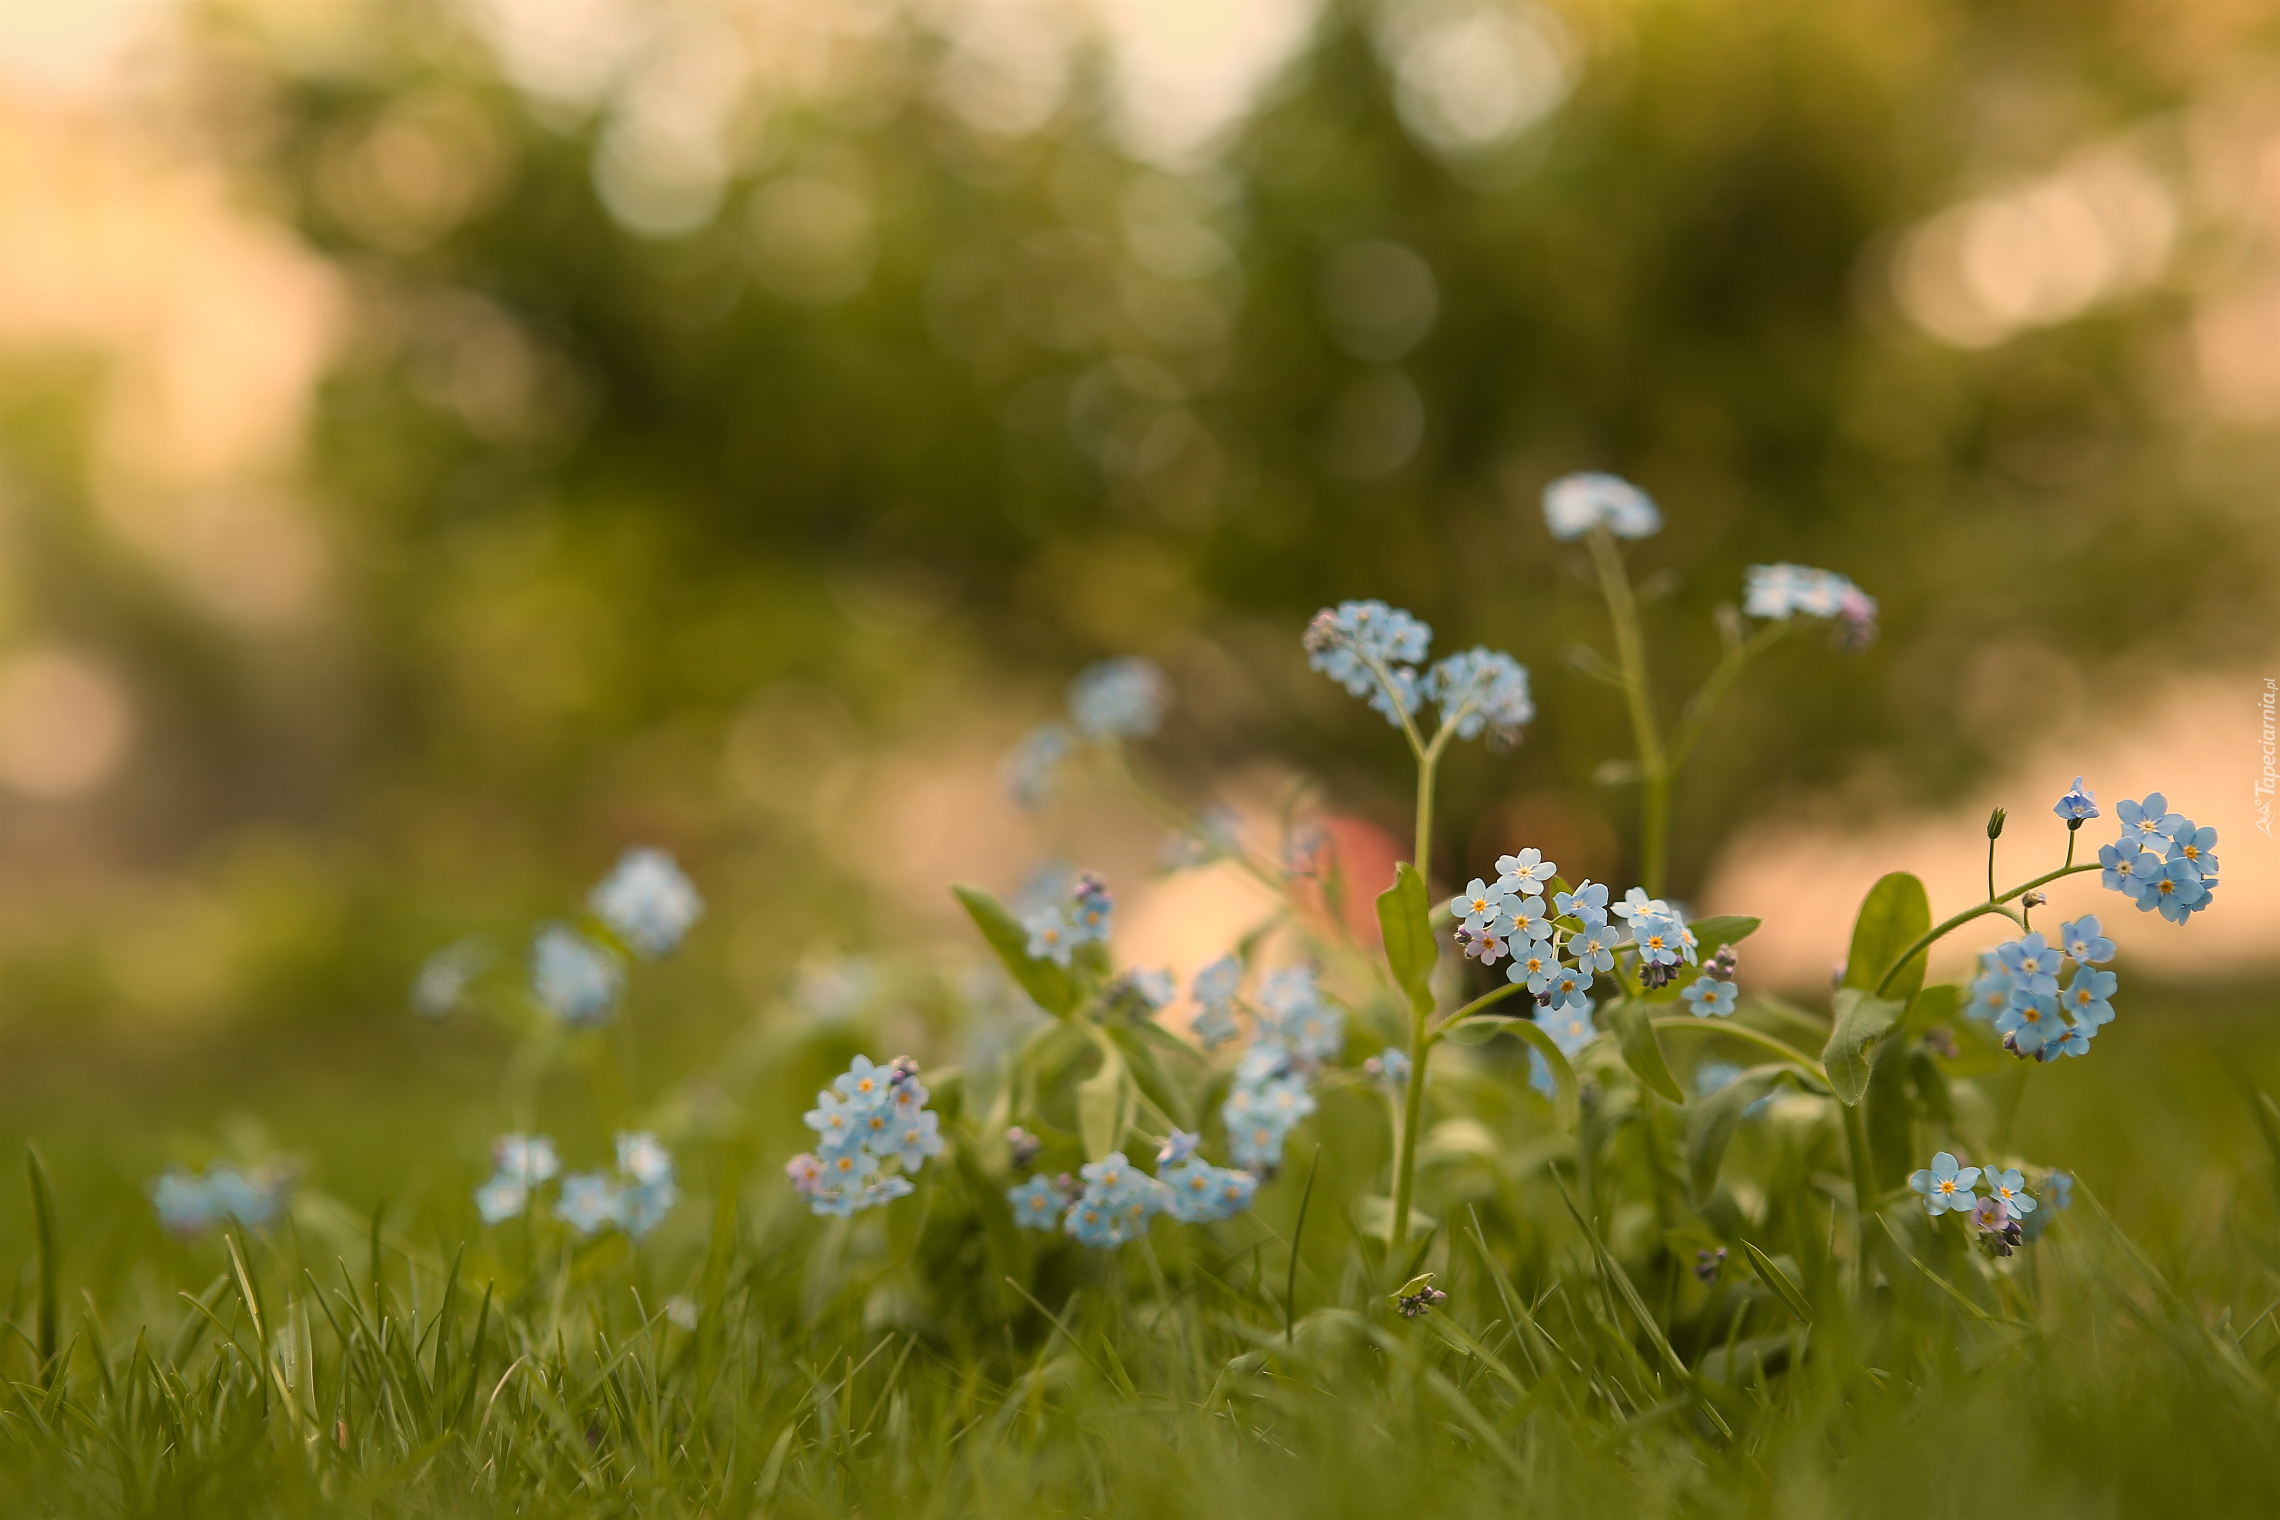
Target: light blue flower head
[573, 978]
[1575, 504]
[1031, 771]
[443, 977]
[1037, 1204]
[1371, 649]
[647, 902]
[589, 1201]
[1482, 690]
[2078, 805]
[1119, 699]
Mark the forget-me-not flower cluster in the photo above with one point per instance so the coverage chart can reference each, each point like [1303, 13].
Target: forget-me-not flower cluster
[1298, 1032]
[1214, 990]
[2163, 861]
[1057, 929]
[647, 902]
[573, 977]
[519, 1165]
[1778, 593]
[871, 1115]
[1111, 701]
[1119, 699]
[1116, 1199]
[1374, 650]
[1575, 504]
[191, 1203]
[635, 1197]
[2018, 992]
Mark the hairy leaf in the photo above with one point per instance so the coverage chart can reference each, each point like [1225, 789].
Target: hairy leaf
[1862, 1021]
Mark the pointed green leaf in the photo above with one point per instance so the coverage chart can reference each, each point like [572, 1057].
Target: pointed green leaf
[43, 1222]
[1104, 1105]
[1633, 1023]
[1051, 987]
[1778, 1281]
[1722, 929]
[1567, 1102]
[1405, 917]
[1155, 1082]
[1862, 1021]
[1895, 914]
[1711, 1123]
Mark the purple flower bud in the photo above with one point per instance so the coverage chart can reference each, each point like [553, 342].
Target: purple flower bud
[1022, 1146]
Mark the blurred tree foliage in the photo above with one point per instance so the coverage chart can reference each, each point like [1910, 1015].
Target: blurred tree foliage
[918, 410]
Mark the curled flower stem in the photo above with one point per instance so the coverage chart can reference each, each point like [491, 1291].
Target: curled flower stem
[1993, 905]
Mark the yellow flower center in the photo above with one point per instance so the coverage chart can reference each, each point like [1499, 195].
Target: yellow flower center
[1947, 1187]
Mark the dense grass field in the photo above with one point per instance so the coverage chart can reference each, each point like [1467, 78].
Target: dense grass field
[381, 1353]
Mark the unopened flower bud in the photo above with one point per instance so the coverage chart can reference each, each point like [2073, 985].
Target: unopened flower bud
[2035, 899]
[1995, 824]
[1022, 1146]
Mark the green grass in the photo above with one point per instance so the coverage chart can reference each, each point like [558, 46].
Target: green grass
[887, 1365]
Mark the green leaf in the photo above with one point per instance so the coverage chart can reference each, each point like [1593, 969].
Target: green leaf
[43, 1220]
[1778, 1281]
[1567, 1102]
[1711, 1123]
[1888, 1112]
[1632, 1021]
[1862, 1021]
[1051, 987]
[1405, 917]
[1104, 1105]
[1931, 1087]
[1936, 1004]
[1149, 1075]
[1722, 929]
[1895, 914]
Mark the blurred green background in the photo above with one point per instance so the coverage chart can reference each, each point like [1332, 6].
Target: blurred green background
[440, 445]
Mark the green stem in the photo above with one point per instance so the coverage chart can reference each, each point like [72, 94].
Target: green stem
[1412, 1118]
[1771, 1043]
[1705, 701]
[1477, 1005]
[1940, 931]
[1631, 655]
[1864, 1183]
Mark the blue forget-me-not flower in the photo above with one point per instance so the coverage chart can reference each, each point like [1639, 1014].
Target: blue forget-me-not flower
[573, 978]
[647, 902]
[1119, 699]
[1946, 1185]
[1575, 504]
